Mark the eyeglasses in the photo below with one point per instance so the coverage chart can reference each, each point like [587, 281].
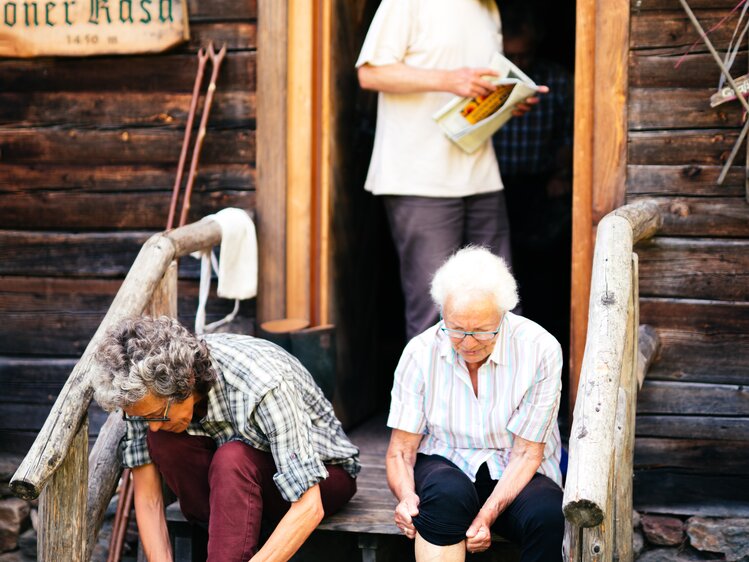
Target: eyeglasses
[164, 417]
[460, 335]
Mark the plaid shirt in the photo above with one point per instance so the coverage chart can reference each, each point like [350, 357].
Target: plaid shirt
[264, 397]
[528, 145]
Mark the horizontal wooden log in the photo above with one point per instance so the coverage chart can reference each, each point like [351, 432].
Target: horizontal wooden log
[127, 146]
[713, 269]
[64, 313]
[33, 380]
[700, 456]
[653, 69]
[586, 498]
[134, 179]
[668, 491]
[703, 217]
[237, 36]
[690, 147]
[102, 211]
[697, 399]
[200, 10]
[673, 29]
[693, 427]
[700, 340]
[684, 180]
[107, 110]
[95, 254]
[164, 73]
[678, 108]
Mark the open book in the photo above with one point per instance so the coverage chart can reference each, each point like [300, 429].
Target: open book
[468, 122]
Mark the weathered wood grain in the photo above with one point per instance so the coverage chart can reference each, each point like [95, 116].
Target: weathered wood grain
[700, 340]
[648, 345]
[120, 110]
[656, 69]
[673, 29]
[200, 10]
[31, 417]
[703, 217]
[104, 211]
[33, 380]
[127, 146]
[669, 491]
[678, 108]
[80, 254]
[684, 180]
[589, 476]
[128, 179]
[708, 147]
[237, 36]
[713, 269]
[683, 398]
[63, 314]
[693, 427]
[62, 506]
[164, 73]
[700, 456]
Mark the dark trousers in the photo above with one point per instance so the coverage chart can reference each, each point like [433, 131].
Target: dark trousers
[449, 502]
[427, 230]
[231, 489]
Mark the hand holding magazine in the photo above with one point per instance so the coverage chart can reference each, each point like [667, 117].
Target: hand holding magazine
[468, 122]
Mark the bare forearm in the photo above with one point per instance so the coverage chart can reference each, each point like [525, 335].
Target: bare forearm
[149, 513]
[293, 529]
[517, 474]
[400, 474]
[400, 78]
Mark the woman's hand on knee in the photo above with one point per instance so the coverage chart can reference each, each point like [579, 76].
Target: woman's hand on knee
[405, 511]
[479, 534]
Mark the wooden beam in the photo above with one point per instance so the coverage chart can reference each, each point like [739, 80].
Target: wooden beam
[582, 192]
[299, 164]
[271, 157]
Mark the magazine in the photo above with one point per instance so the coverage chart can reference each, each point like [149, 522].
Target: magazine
[468, 122]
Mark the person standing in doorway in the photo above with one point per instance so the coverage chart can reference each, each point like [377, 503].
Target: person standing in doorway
[418, 54]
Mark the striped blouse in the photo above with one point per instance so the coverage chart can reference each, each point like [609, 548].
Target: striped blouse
[519, 390]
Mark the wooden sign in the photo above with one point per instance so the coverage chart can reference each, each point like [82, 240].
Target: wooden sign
[35, 28]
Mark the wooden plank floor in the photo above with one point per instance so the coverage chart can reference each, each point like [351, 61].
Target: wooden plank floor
[371, 509]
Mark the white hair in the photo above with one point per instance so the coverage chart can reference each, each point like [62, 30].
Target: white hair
[471, 274]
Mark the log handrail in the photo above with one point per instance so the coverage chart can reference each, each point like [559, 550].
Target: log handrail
[53, 442]
[587, 496]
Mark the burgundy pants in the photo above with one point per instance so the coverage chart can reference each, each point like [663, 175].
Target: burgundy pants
[231, 489]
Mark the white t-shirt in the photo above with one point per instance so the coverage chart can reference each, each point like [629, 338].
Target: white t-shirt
[412, 156]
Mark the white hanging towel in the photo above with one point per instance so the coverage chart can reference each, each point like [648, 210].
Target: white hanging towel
[237, 270]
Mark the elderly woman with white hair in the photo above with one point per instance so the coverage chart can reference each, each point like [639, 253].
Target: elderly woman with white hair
[475, 447]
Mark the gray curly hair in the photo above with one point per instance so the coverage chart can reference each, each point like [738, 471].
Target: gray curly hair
[156, 355]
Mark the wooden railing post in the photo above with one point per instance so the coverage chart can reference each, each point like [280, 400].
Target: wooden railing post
[62, 505]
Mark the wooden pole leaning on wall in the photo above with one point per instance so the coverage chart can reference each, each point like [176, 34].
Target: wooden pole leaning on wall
[62, 506]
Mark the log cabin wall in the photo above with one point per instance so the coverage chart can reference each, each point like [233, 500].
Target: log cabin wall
[88, 155]
[692, 447]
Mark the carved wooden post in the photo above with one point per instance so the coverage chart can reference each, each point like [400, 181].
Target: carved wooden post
[62, 506]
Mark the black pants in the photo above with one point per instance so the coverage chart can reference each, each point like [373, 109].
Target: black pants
[449, 502]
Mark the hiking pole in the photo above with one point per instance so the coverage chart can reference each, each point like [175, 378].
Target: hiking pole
[202, 58]
[216, 59]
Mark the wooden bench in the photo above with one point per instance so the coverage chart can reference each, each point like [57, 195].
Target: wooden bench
[369, 514]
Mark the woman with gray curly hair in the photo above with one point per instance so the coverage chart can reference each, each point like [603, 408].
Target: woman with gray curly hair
[475, 446]
[237, 428]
